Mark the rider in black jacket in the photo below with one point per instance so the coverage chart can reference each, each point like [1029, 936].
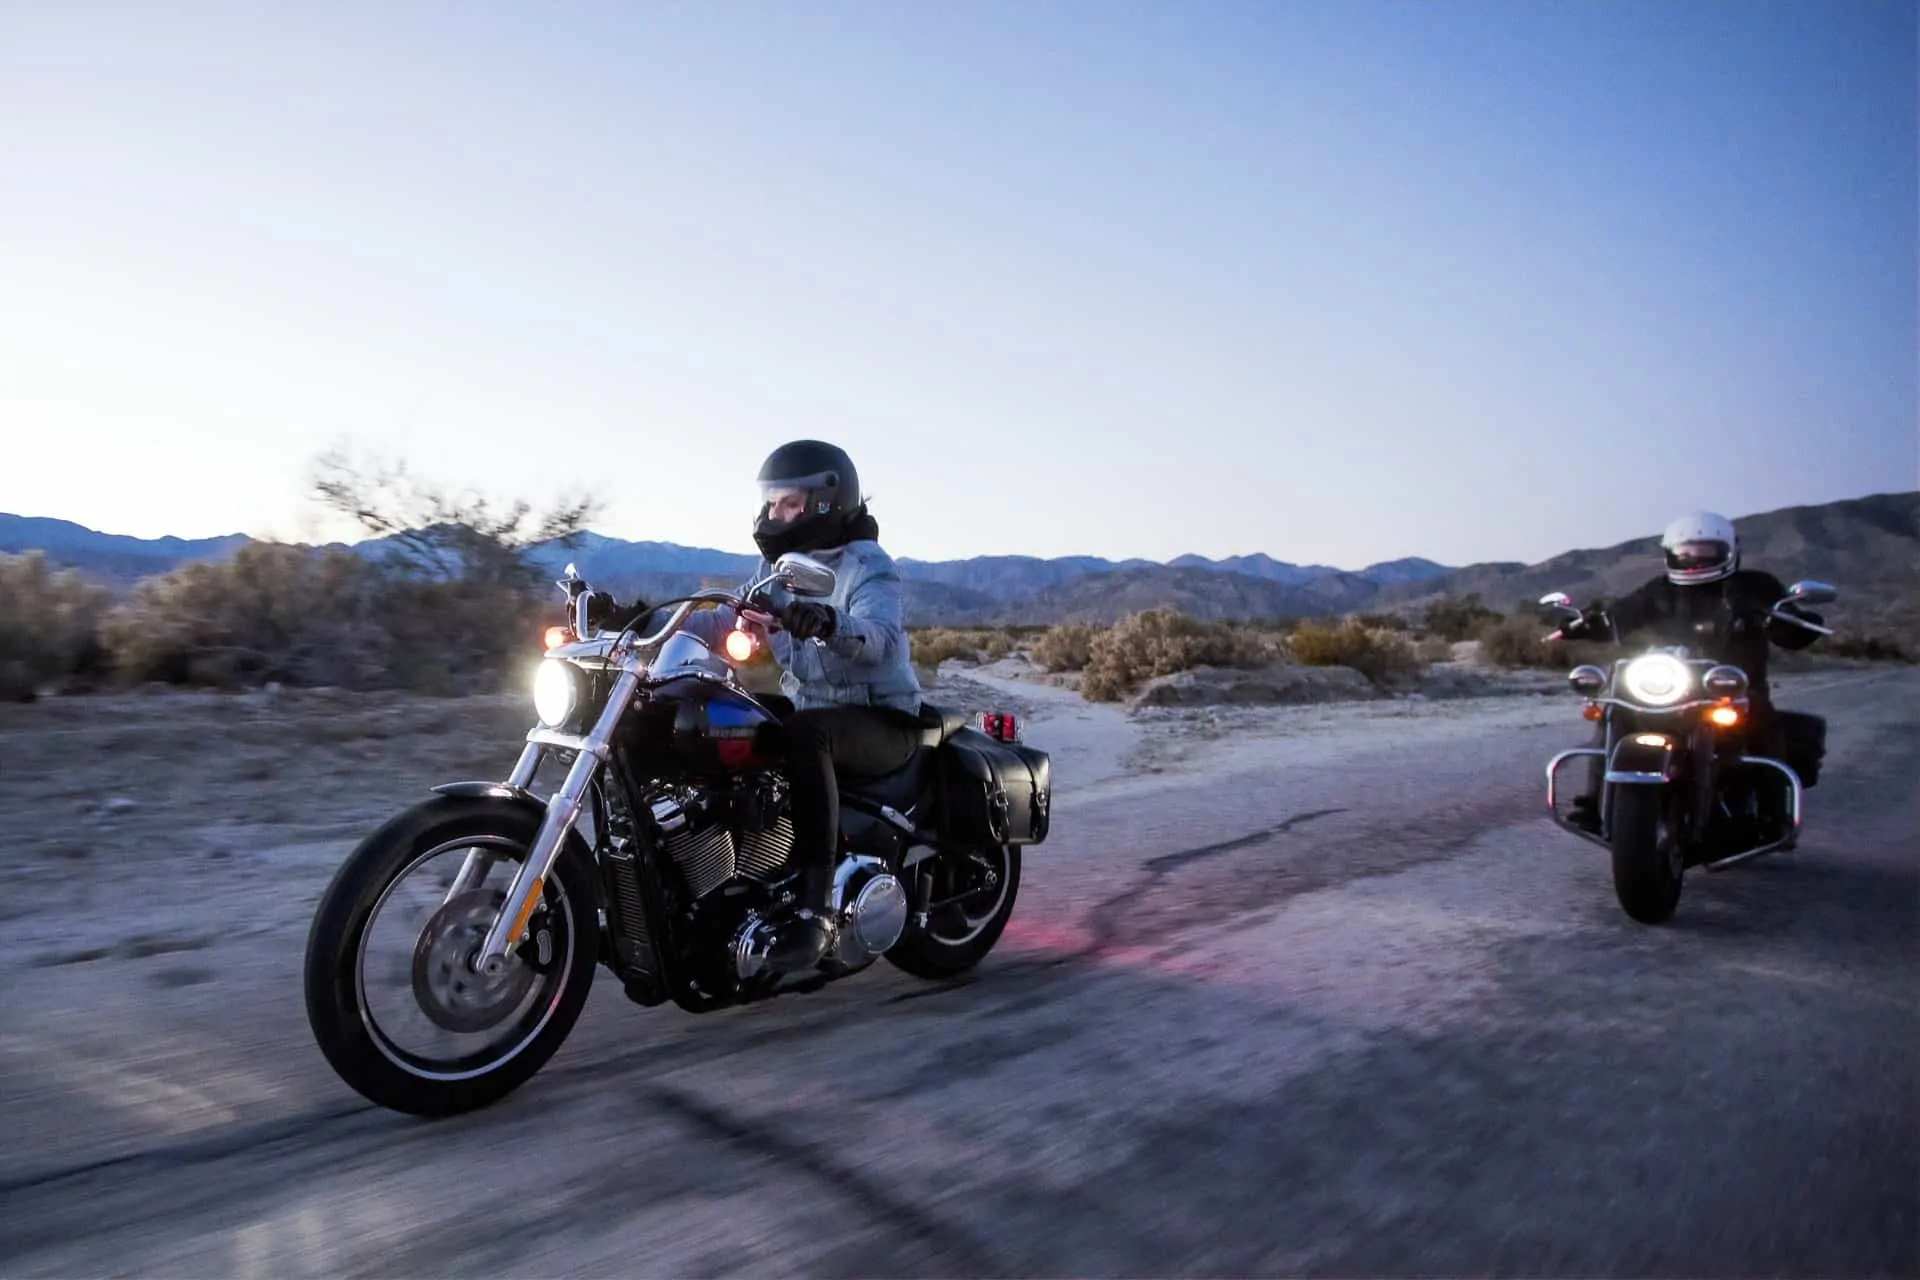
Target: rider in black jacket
[1707, 601]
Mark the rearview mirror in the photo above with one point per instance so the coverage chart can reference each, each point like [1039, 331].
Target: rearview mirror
[803, 575]
[1808, 591]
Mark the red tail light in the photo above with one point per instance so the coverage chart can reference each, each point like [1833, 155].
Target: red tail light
[1001, 725]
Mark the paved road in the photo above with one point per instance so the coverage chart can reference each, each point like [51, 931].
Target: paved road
[1349, 1005]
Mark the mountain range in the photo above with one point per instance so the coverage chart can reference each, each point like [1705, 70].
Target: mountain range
[1861, 544]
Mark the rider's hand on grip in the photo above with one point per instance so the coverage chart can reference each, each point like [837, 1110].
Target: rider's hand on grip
[809, 619]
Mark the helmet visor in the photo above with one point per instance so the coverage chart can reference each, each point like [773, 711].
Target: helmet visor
[1702, 557]
[789, 500]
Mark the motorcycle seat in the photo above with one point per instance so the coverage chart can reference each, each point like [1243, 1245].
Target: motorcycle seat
[937, 724]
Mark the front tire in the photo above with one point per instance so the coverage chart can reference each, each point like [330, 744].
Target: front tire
[1646, 858]
[958, 936]
[553, 987]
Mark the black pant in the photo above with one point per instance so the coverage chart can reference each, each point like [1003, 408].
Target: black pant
[821, 743]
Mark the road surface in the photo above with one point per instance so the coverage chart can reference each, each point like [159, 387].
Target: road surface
[1343, 1003]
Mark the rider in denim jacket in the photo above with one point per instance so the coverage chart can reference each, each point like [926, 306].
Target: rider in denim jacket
[845, 667]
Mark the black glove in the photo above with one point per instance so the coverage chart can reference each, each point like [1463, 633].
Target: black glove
[809, 619]
[1591, 619]
[604, 610]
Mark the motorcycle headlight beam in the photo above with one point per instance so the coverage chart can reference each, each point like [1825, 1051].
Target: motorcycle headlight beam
[556, 692]
[1658, 679]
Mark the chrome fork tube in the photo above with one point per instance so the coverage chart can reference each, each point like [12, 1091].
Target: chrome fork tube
[509, 927]
[480, 861]
[526, 766]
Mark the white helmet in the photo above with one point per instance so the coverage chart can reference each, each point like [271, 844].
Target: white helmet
[1700, 547]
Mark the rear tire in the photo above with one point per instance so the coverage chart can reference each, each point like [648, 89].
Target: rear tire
[954, 941]
[336, 1009]
[1646, 860]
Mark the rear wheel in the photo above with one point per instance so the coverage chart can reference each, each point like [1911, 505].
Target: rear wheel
[973, 897]
[1646, 857]
[392, 999]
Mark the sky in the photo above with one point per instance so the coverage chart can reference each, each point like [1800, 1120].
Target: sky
[1336, 280]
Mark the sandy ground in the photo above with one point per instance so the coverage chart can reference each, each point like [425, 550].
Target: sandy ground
[1290, 990]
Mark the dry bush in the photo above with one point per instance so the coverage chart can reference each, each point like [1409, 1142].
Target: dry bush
[48, 624]
[934, 645]
[459, 637]
[305, 616]
[1456, 618]
[271, 612]
[1517, 641]
[1870, 646]
[1160, 642]
[1378, 655]
[1434, 648]
[1066, 647]
[442, 536]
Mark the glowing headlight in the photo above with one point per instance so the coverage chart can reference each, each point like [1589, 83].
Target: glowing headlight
[1659, 679]
[554, 692]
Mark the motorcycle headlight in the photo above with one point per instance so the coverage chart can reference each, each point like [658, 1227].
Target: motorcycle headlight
[1658, 679]
[556, 692]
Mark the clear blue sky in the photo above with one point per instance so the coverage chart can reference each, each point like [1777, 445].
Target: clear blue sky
[1338, 281]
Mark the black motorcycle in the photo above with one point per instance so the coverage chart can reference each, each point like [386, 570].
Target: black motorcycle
[1684, 784]
[660, 855]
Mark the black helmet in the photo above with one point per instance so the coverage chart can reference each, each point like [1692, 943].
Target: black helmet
[809, 491]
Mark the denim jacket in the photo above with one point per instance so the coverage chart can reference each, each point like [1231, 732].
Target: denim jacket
[866, 663]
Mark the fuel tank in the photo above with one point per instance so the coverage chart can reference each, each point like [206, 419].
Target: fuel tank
[708, 727]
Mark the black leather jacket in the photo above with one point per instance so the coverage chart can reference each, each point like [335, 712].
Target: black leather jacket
[1727, 620]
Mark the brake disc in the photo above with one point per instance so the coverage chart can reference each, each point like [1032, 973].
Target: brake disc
[452, 995]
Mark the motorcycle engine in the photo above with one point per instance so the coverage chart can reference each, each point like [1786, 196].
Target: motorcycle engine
[870, 909]
[714, 838]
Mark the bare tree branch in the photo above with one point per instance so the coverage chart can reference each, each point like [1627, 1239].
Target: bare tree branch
[464, 538]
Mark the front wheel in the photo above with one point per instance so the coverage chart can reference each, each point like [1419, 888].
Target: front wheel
[973, 897]
[392, 998]
[1646, 854]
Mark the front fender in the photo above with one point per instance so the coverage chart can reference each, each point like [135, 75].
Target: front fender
[584, 826]
[1643, 759]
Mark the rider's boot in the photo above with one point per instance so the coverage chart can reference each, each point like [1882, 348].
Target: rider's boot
[803, 934]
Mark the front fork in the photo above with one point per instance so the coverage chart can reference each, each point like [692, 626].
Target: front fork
[591, 751]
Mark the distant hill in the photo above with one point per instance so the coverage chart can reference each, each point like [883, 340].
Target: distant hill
[944, 587]
[1868, 547]
[113, 557]
[1864, 546]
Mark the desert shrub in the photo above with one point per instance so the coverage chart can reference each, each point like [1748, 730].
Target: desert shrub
[1066, 647]
[1456, 618]
[48, 623]
[300, 615]
[1871, 647]
[1378, 655]
[271, 612]
[1160, 642]
[1434, 648]
[1517, 641]
[1382, 621]
[934, 645]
